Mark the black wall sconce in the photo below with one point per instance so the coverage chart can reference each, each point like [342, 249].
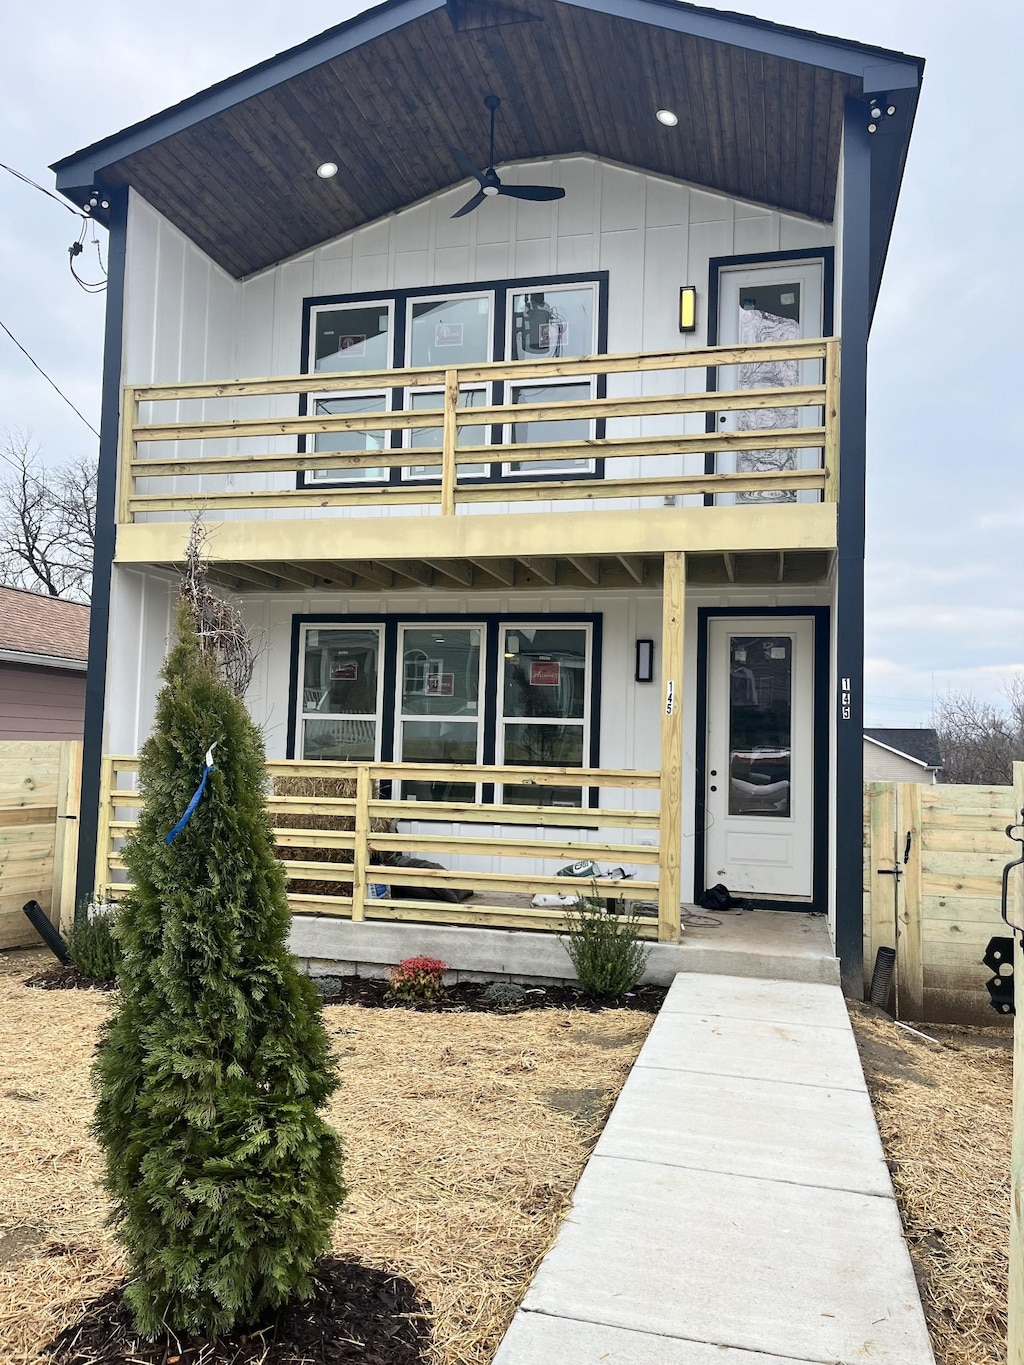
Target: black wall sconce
[688, 308]
[644, 671]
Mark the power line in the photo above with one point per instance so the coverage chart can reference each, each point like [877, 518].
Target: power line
[41, 188]
[49, 381]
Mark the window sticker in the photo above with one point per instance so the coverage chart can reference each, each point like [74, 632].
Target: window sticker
[545, 673]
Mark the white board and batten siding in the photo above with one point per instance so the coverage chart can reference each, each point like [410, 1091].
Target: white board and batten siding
[187, 319]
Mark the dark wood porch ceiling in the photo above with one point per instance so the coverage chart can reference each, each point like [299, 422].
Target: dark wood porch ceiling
[241, 181]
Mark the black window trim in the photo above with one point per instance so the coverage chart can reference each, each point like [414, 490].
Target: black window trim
[400, 298]
[491, 710]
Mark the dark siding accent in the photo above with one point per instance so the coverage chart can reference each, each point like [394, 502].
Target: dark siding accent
[103, 559]
[855, 315]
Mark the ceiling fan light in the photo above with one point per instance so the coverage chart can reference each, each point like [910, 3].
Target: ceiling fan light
[327, 170]
[667, 117]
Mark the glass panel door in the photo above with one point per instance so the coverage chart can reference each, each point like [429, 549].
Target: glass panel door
[449, 330]
[439, 710]
[766, 304]
[340, 701]
[545, 718]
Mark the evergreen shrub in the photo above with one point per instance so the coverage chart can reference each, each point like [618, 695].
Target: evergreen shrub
[224, 1176]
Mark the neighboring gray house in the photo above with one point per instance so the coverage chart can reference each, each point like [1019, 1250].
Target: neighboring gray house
[44, 642]
[901, 755]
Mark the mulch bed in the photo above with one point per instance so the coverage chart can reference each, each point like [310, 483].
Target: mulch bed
[68, 979]
[357, 1314]
[372, 993]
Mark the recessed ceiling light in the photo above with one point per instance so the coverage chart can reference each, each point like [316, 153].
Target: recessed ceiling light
[667, 117]
[326, 170]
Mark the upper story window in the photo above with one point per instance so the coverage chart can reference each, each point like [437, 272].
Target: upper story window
[521, 320]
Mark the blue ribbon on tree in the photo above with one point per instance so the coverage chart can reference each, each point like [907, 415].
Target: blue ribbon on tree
[196, 798]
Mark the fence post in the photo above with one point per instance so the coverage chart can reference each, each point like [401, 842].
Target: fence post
[671, 797]
[449, 443]
[65, 836]
[909, 950]
[102, 879]
[1015, 1326]
[360, 850]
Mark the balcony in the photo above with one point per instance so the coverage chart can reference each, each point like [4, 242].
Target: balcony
[697, 450]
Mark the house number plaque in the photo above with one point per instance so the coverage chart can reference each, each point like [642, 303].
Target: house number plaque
[846, 700]
[670, 697]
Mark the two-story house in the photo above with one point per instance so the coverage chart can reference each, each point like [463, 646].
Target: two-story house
[498, 344]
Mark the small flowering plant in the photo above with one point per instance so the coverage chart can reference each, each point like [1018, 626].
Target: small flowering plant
[418, 979]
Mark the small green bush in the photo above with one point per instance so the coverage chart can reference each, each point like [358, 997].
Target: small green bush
[93, 946]
[418, 980]
[605, 950]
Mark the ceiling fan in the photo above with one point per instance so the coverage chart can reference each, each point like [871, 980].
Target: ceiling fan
[488, 179]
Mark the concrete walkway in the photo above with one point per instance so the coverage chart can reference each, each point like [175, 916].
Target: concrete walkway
[737, 1209]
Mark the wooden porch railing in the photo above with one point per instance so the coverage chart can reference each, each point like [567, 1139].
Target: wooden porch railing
[446, 484]
[558, 834]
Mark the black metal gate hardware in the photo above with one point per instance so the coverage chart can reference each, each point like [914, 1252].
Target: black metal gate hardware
[999, 952]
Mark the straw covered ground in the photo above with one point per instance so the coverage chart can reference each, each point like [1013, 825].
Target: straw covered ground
[944, 1113]
[465, 1136]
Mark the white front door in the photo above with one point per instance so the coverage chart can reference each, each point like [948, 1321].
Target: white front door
[769, 303]
[759, 773]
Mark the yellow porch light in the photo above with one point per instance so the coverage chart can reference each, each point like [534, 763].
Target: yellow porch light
[688, 308]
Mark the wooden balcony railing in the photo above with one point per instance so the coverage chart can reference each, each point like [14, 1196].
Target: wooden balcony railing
[172, 483]
[348, 854]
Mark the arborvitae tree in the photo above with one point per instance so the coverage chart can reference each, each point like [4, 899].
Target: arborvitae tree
[225, 1178]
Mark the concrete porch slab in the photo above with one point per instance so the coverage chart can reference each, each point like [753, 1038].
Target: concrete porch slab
[799, 1133]
[802, 1054]
[781, 944]
[760, 1265]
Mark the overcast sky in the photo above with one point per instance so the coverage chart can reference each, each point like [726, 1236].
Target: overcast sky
[945, 573]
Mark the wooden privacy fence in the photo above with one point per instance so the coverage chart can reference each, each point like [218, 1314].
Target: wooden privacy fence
[442, 471]
[40, 787]
[933, 862]
[515, 832]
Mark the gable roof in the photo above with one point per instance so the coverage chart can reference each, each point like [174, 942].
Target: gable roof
[919, 745]
[760, 109]
[45, 630]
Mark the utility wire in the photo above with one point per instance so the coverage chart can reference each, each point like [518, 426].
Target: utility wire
[42, 189]
[49, 380]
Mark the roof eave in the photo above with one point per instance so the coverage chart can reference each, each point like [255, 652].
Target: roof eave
[878, 68]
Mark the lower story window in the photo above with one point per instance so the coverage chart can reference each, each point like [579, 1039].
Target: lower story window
[424, 692]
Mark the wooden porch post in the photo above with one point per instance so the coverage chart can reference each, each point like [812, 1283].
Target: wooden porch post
[670, 829]
[1015, 1332]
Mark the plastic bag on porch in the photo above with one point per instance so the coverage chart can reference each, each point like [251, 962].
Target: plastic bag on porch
[715, 898]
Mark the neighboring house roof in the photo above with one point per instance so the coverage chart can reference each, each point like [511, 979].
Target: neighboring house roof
[385, 95]
[919, 745]
[42, 630]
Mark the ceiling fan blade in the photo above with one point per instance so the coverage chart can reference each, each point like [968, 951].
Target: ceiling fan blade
[474, 203]
[465, 165]
[539, 193]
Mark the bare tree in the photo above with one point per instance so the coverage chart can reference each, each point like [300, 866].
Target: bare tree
[47, 520]
[978, 740]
